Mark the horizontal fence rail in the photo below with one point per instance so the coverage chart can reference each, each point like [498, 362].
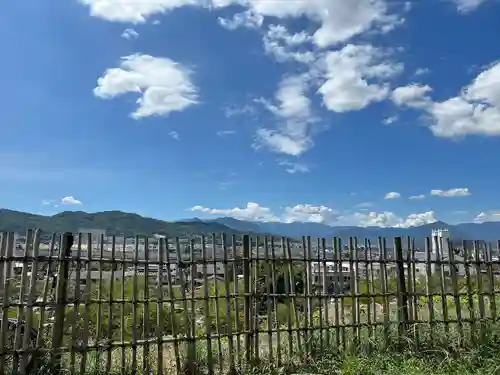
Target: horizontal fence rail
[81, 303]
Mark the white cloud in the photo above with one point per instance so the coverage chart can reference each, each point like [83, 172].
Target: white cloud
[415, 220]
[413, 95]
[451, 193]
[130, 34]
[465, 6]
[279, 43]
[392, 195]
[475, 111]
[417, 197]
[421, 71]
[50, 202]
[294, 167]
[164, 86]
[356, 77]
[486, 87]
[223, 133]
[232, 111]
[174, 134]
[70, 201]
[487, 216]
[320, 214]
[253, 211]
[339, 20]
[390, 120]
[282, 143]
[390, 219]
[280, 32]
[246, 19]
[135, 11]
[293, 134]
[310, 213]
[456, 117]
[293, 103]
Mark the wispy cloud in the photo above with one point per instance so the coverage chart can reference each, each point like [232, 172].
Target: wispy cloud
[294, 167]
[417, 197]
[451, 193]
[390, 120]
[66, 201]
[223, 133]
[232, 111]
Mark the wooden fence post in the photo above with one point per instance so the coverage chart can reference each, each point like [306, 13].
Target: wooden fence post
[61, 296]
[246, 289]
[402, 298]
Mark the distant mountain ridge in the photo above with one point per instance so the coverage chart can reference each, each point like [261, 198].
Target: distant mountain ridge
[114, 222]
[131, 224]
[487, 231]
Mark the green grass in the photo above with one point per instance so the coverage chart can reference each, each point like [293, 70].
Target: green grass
[439, 351]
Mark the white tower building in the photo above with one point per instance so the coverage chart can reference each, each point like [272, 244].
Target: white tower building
[440, 244]
[441, 241]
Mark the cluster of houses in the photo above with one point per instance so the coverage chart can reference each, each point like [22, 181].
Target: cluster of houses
[136, 258]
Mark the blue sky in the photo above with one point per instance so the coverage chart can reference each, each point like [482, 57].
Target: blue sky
[366, 112]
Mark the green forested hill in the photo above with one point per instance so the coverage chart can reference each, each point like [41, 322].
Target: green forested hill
[114, 222]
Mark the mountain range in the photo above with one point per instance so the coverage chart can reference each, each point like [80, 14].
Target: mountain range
[130, 224]
[114, 222]
[487, 231]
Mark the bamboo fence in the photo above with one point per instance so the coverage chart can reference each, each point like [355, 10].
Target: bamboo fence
[219, 303]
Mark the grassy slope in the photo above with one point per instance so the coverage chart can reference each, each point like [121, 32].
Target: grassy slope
[438, 350]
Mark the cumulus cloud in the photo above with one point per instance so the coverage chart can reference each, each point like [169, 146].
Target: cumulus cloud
[130, 34]
[339, 20]
[451, 193]
[293, 111]
[70, 201]
[253, 211]
[413, 95]
[282, 45]
[392, 195]
[487, 216]
[246, 19]
[415, 220]
[349, 79]
[164, 86]
[390, 219]
[475, 111]
[356, 76]
[309, 213]
[133, 11]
